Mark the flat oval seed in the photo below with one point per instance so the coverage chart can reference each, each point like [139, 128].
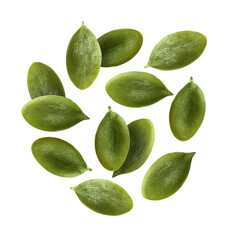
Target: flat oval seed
[142, 137]
[103, 196]
[187, 111]
[83, 58]
[136, 89]
[42, 80]
[52, 113]
[177, 50]
[112, 141]
[119, 46]
[59, 157]
[166, 175]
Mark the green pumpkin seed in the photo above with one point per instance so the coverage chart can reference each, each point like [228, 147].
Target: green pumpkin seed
[112, 141]
[177, 50]
[166, 175]
[142, 137]
[119, 46]
[103, 196]
[187, 111]
[52, 113]
[42, 80]
[83, 58]
[59, 157]
[136, 89]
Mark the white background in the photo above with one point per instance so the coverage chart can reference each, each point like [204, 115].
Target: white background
[38, 205]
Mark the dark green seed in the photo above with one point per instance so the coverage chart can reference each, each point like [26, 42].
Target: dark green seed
[59, 157]
[177, 50]
[187, 111]
[104, 197]
[42, 80]
[119, 46]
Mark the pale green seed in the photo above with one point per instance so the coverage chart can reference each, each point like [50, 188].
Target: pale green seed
[42, 80]
[177, 50]
[136, 89]
[59, 157]
[112, 141]
[166, 175]
[103, 196]
[142, 137]
[187, 111]
[119, 46]
[52, 113]
[83, 58]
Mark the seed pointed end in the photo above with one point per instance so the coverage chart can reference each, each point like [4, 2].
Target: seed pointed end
[89, 169]
[114, 174]
[72, 188]
[192, 154]
[147, 66]
[85, 117]
[109, 109]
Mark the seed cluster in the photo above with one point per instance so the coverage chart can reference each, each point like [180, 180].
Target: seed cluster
[120, 148]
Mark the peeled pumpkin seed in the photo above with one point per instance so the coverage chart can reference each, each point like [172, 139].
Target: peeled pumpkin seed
[166, 175]
[112, 141]
[136, 89]
[42, 80]
[52, 113]
[103, 196]
[83, 58]
[142, 137]
[177, 50]
[59, 157]
[187, 111]
[119, 46]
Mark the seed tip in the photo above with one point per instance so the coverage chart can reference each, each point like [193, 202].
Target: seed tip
[86, 117]
[192, 154]
[109, 109]
[147, 66]
[89, 169]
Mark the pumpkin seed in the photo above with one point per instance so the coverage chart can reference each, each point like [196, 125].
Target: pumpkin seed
[59, 157]
[52, 113]
[112, 141]
[166, 175]
[119, 46]
[42, 80]
[136, 89]
[177, 50]
[187, 111]
[103, 196]
[141, 143]
[83, 58]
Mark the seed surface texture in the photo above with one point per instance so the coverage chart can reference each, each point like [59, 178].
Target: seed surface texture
[112, 141]
[83, 58]
[142, 137]
[119, 46]
[59, 157]
[42, 80]
[177, 50]
[52, 113]
[187, 111]
[166, 175]
[136, 89]
[104, 196]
